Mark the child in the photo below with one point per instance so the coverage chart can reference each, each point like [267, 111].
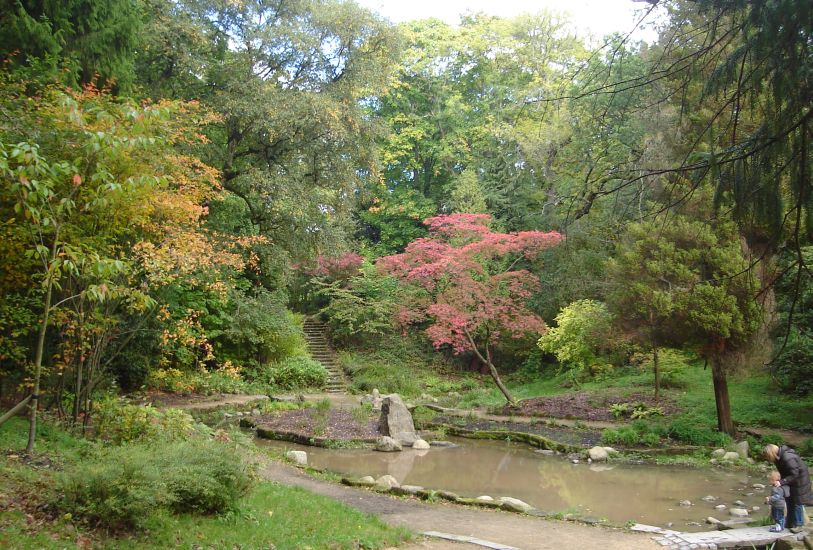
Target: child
[777, 502]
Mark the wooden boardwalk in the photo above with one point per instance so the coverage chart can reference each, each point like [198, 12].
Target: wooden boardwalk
[748, 537]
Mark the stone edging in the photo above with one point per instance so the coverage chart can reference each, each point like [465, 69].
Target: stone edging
[534, 440]
[507, 506]
[293, 437]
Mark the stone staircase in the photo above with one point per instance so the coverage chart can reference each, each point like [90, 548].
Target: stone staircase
[320, 351]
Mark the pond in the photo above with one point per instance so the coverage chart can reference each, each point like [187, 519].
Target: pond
[619, 492]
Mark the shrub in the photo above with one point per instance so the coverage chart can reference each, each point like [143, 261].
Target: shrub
[261, 327]
[794, 365]
[298, 373]
[119, 422]
[578, 338]
[692, 431]
[638, 433]
[122, 487]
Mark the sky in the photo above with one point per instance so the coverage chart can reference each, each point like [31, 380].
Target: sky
[596, 17]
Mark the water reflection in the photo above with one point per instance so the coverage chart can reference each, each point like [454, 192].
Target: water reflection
[648, 494]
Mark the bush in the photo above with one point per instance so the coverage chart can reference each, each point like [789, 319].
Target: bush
[261, 328]
[692, 431]
[298, 373]
[579, 337]
[638, 433]
[118, 422]
[793, 367]
[123, 486]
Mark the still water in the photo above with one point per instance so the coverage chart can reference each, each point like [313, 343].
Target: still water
[618, 492]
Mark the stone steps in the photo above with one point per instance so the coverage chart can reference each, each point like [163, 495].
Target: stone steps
[320, 351]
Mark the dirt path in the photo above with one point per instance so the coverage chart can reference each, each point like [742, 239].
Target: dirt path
[202, 402]
[524, 532]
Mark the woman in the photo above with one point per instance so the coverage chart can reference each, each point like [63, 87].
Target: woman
[796, 476]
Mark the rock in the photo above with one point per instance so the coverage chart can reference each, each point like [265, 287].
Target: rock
[454, 394]
[396, 421]
[575, 461]
[227, 415]
[300, 457]
[731, 456]
[420, 444]
[712, 520]
[755, 508]
[485, 497]
[718, 453]
[255, 412]
[448, 495]
[720, 507]
[693, 524]
[589, 460]
[386, 444]
[386, 482]
[546, 452]
[514, 504]
[709, 498]
[376, 394]
[759, 486]
[685, 503]
[377, 403]
[738, 512]
[714, 461]
[742, 449]
[407, 489]
[739, 503]
[366, 481]
[610, 450]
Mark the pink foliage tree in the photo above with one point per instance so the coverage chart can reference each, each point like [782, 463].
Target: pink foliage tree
[467, 285]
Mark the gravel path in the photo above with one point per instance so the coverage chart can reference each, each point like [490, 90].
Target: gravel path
[524, 532]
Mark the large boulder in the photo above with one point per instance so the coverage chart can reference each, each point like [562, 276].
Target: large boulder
[598, 454]
[386, 444]
[420, 445]
[396, 421]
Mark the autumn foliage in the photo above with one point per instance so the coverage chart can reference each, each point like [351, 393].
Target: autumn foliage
[467, 287]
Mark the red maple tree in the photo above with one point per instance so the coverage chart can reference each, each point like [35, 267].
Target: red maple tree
[467, 284]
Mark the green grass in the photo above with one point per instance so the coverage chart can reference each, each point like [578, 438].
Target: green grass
[270, 514]
[755, 400]
[398, 364]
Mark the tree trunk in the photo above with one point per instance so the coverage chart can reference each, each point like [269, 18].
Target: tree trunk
[32, 418]
[14, 410]
[657, 373]
[496, 376]
[724, 422]
[491, 368]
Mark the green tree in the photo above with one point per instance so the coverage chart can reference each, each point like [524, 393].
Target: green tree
[581, 332]
[680, 282]
[95, 40]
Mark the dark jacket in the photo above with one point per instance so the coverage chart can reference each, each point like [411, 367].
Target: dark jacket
[795, 475]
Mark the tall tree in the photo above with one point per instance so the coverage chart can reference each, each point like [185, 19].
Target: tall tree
[94, 40]
[680, 282]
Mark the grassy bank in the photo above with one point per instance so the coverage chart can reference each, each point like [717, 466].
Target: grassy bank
[270, 515]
